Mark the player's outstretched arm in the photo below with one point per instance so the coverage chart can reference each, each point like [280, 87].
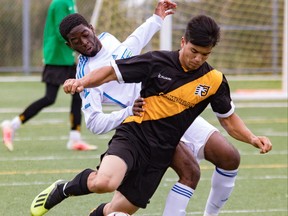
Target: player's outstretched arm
[95, 78]
[143, 34]
[236, 128]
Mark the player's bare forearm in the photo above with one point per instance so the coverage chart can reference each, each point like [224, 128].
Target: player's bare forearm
[98, 77]
[93, 79]
[236, 128]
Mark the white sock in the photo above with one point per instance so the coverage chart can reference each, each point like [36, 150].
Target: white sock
[177, 200]
[222, 184]
[75, 135]
[16, 123]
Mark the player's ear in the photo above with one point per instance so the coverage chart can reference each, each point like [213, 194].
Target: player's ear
[68, 44]
[183, 41]
[92, 28]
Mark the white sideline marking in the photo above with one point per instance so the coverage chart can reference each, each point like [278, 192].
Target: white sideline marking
[97, 156]
[229, 78]
[55, 109]
[21, 79]
[49, 158]
[24, 184]
[109, 108]
[243, 211]
[267, 177]
[3, 184]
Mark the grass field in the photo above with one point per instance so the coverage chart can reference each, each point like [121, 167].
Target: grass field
[40, 157]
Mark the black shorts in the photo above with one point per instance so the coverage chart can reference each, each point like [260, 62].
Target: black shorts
[142, 178]
[57, 74]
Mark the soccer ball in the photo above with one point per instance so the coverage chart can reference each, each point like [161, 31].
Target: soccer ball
[118, 214]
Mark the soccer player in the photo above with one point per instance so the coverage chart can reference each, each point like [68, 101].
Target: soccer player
[147, 143]
[60, 65]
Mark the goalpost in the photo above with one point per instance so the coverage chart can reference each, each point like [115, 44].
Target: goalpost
[96, 12]
[285, 50]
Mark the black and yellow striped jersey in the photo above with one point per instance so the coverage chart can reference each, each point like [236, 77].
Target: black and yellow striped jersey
[174, 98]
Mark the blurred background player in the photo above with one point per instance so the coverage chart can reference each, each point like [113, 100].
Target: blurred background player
[59, 65]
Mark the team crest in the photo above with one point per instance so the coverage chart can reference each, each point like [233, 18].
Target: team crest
[202, 90]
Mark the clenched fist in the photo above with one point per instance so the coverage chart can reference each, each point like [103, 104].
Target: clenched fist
[72, 85]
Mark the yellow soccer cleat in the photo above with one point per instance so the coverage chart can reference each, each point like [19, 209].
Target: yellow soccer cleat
[47, 199]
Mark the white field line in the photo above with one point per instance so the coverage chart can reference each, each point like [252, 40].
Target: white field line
[109, 108]
[97, 156]
[54, 109]
[54, 138]
[202, 167]
[244, 212]
[107, 136]
[49, 158]
[229, 78]
[166, 181]
[20, 79]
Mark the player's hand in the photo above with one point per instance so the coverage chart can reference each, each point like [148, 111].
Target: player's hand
[72, 85]
[138, 107]
[263, 143]
[164, 8]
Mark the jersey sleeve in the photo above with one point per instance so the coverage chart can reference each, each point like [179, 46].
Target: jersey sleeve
[96, 120]
[134, 69]
[222, 103]
[143, 34]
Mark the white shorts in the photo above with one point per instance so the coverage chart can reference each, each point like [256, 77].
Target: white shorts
[197, 135]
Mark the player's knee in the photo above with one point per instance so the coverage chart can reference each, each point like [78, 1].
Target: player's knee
[103, 185]
[186, 166]
[191, 176]
[49, 101]
[232, 160]
[221, 153]
[236, 159]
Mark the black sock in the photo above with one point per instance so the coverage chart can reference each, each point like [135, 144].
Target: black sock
[56, 196]
[78, 185]
[60, 189]
[98, 211]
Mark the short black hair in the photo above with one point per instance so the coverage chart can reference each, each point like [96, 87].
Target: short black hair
[202, 31]
[71, 21]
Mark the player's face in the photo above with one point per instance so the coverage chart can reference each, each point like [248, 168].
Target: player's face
[191, 56]
[83, 39]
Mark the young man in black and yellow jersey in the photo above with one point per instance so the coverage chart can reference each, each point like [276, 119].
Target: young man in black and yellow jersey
[177, 86]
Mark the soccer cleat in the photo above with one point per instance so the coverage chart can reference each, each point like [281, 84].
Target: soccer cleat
[47, 199]
[8, 134]
[80, 146]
